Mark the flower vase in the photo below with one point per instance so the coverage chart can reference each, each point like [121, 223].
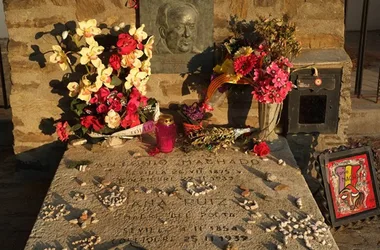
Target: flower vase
[269, 117]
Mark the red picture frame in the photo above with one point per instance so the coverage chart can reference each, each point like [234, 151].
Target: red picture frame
[350, 185]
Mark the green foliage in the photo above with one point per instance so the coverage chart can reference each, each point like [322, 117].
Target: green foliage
[77, 106]
[116, 81]
[279, 36]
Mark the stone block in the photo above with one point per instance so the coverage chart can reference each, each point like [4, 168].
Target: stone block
[320, 41]
[89, 9]
[264, 3]
[18, 47]
[22, 4]
[32, 137]
[37, 22]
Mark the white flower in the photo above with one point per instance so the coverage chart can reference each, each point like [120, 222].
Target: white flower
[59, 57]
[137, 79]
[73, 87]
[91, 54]
[104, 76]
[112, 119]
[65, 34]
[138, 34]
[132, 59]
[88, 29]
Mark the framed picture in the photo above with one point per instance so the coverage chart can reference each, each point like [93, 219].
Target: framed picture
[350, 185]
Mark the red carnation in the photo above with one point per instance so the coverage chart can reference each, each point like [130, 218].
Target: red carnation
[102, 108]
[114, 61]
[62, 131]
[90, 120]
[126, 44]
[261, 149]
[244, 64]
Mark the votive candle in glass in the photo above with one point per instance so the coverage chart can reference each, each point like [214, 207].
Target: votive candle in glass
[166, 133]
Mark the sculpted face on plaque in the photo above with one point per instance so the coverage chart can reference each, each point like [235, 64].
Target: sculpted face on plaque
[177, 26]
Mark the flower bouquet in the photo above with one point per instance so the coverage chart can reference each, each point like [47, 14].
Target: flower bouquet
[259, 58]
[107, 82]
[193, 115]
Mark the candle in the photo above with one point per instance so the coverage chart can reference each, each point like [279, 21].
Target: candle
[166, 132]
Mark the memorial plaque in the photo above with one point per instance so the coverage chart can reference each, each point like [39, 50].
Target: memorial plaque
[183, 32]
[159, 213]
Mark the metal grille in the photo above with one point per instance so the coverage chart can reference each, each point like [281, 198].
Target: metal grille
[3, 83]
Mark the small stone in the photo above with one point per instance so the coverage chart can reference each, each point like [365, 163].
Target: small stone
[231, 246]
[270, 177]
[279, 247]
[265, 159]
[283, 164]
[82, 168]
[148, 191]
[94, 221]
[251, 221]
[135, 155]
[106, 182]
[267, 230]
[78, 142]
[73, 221]
[248, 231]
[280, 161]
[288, 214]
[245, 193]
[281, 187]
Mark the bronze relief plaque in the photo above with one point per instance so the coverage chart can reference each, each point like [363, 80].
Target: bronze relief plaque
[183, 32]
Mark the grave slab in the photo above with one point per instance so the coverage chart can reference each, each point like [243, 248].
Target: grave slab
[150, 219]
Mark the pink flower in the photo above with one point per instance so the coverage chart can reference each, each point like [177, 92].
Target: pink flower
[257, 74]
[244, 64]
[285, 61]
[280, 78]
[62, 131]
[102, 108]
[273, 68]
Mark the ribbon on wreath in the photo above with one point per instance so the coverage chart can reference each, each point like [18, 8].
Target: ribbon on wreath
[218, 81]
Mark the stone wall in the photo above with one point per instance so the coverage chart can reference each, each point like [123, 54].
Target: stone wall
[320, 25]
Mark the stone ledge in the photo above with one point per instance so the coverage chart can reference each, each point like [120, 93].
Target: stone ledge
[321, 57]
[192, 222]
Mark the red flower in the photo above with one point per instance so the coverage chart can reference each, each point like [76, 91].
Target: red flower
[114, 61]
[62, 131]
[137, 98]
[244, 64]
[261, 149]
[126, 122]
[115, 105]
[153, 151]
[102, 108]
[90, 120]
[126, 44]
[102, 94]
